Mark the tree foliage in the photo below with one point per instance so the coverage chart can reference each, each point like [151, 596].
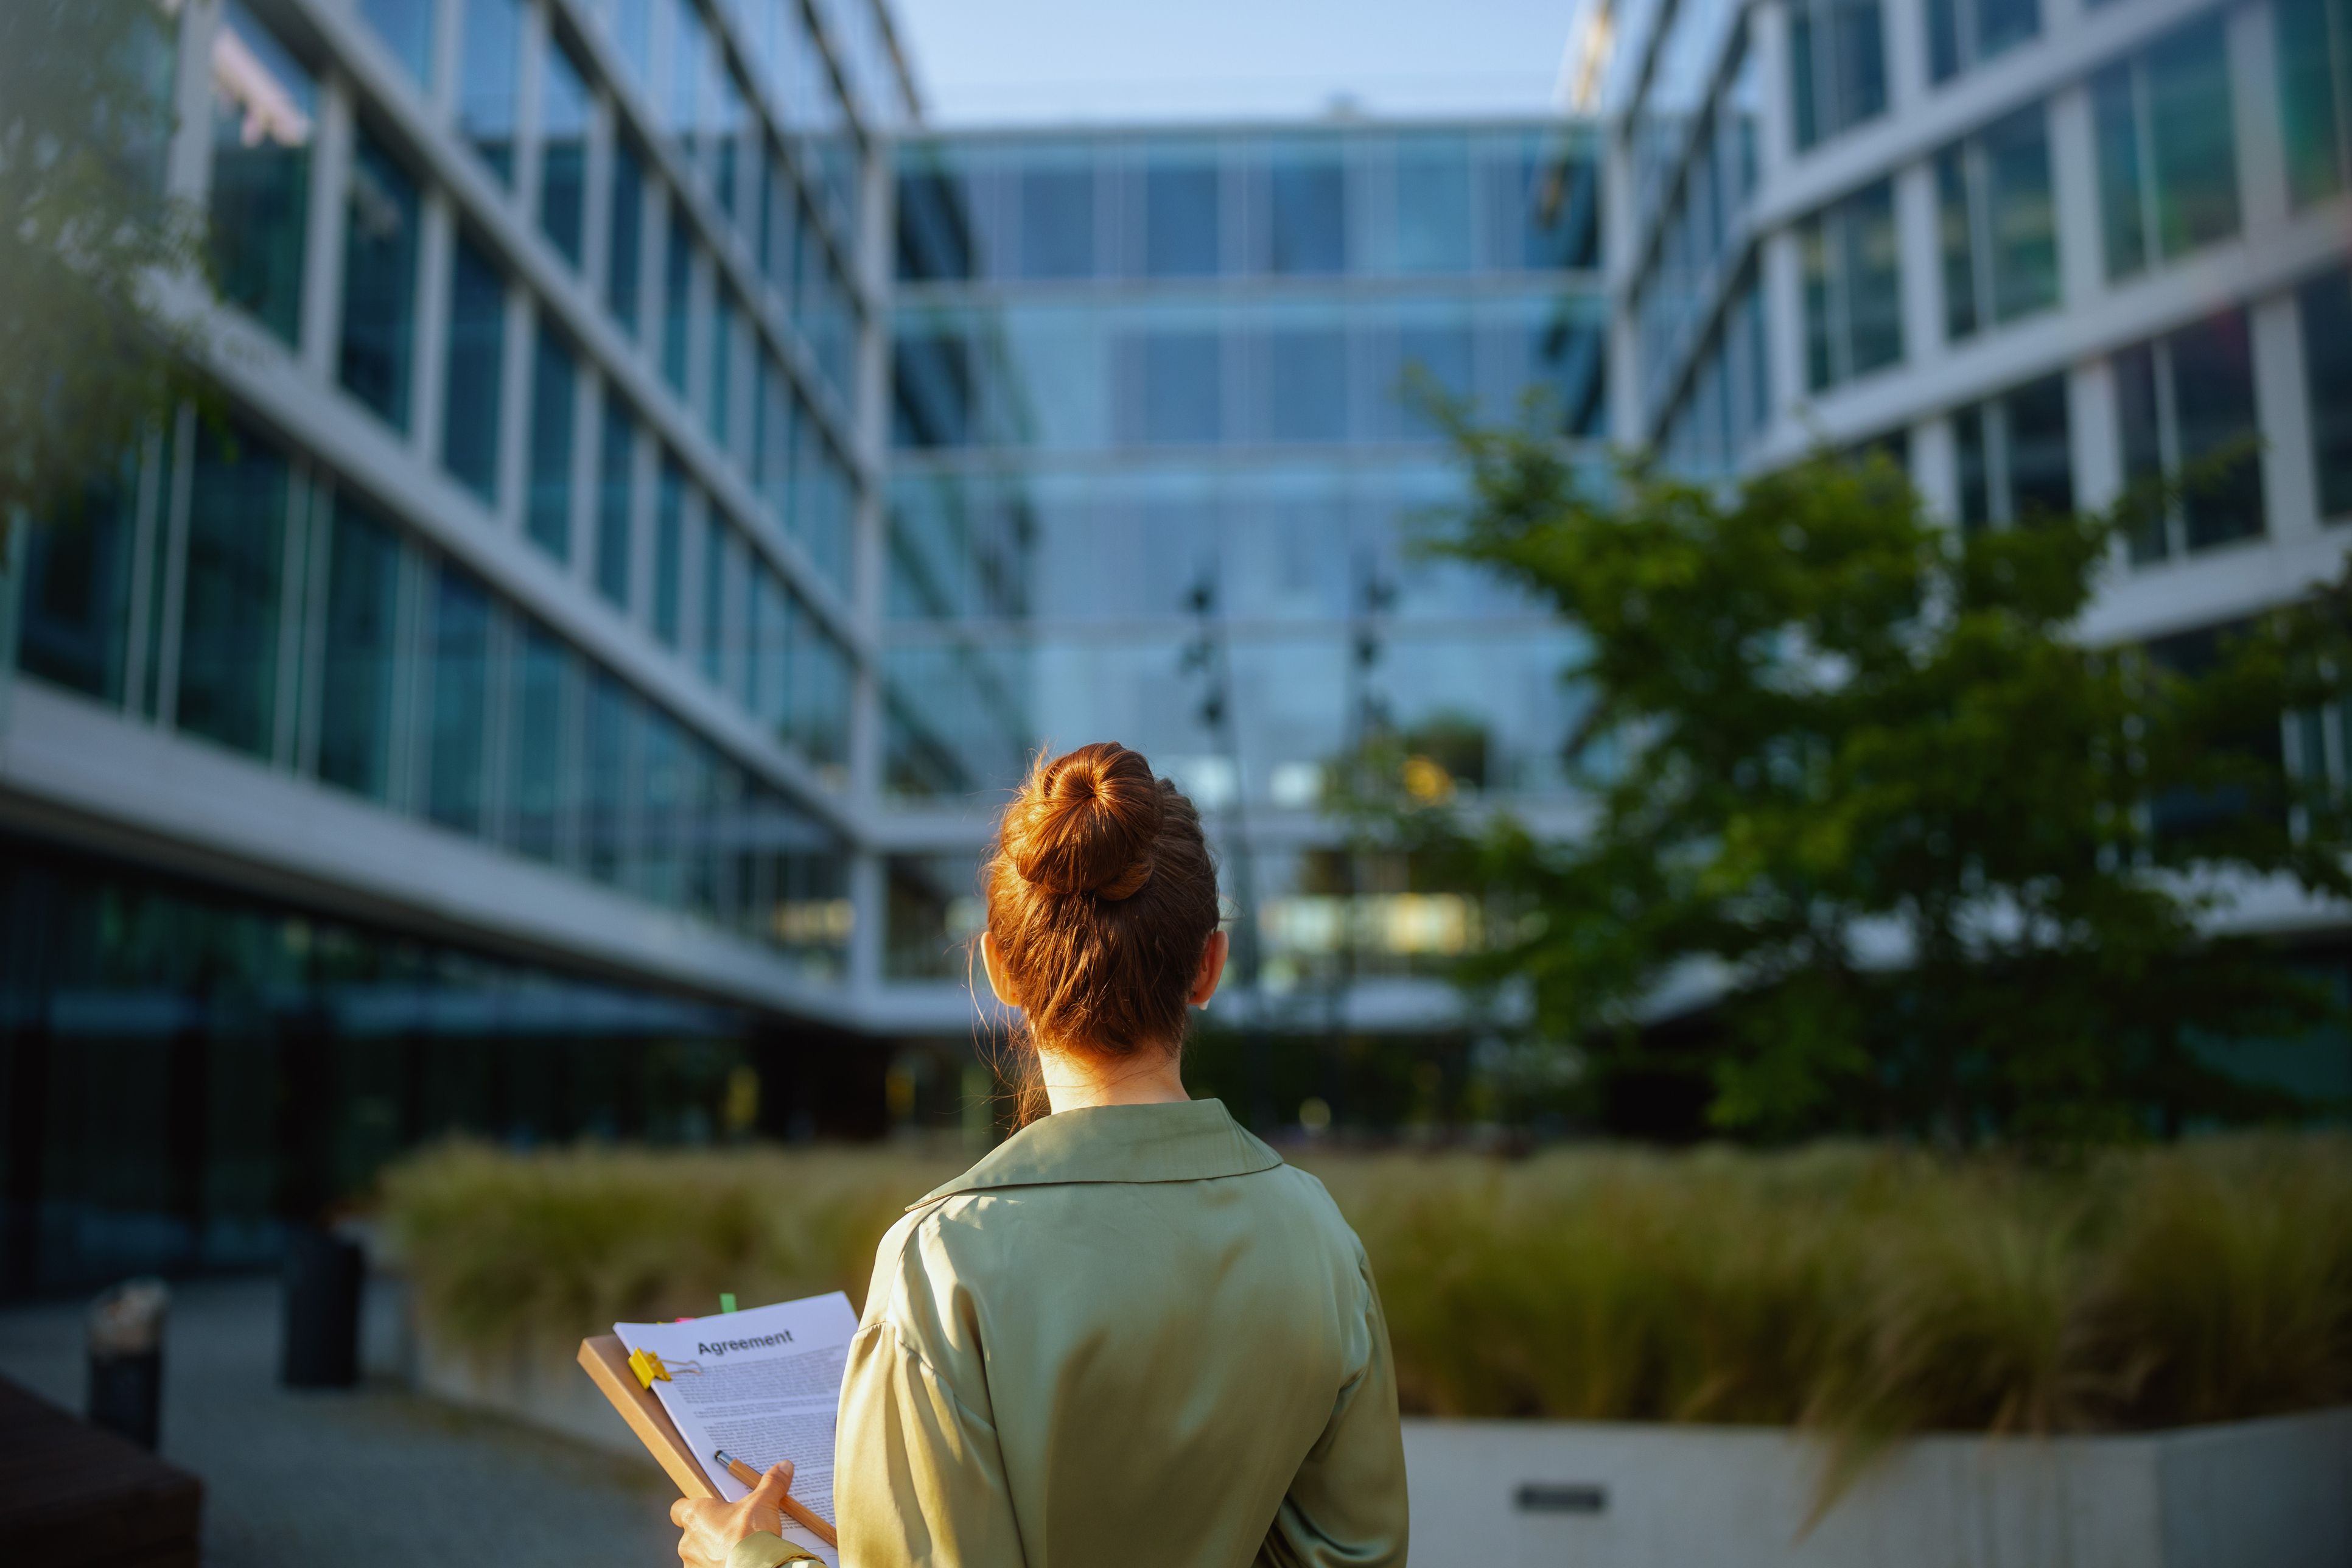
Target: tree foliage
[1901, 850]
[89, 354]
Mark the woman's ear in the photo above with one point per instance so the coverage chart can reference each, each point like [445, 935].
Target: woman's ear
[1212, 969]
[992, 964]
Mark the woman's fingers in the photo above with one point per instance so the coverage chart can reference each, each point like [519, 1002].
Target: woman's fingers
[770, 1492]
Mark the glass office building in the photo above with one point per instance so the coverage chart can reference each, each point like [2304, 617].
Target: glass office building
[1160, 452]
[470, 728]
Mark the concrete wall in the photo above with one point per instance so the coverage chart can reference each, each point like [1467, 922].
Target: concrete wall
[1507, 1494]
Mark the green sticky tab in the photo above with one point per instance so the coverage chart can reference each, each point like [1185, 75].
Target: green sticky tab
[727, 1300]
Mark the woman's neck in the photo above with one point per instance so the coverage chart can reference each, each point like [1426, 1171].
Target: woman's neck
[1075, 1079]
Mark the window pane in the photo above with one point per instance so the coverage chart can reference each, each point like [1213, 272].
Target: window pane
[1179, 220]
[460, 700]
[1057, 221]
[604, 803]
[689, 63]
[362, 650]
[1804, 86]
[477, 322]
[2001, 23]
[2326, 305]
[1943, 39]
[677, 297]
[2123, 224]
[1432, 199]
[719, 406]
[2314, 58]
[718, 552]
[2143, 446]
[1860, 61]
[1433, 360]
[1956, 225]
[823, 503]
[563, 152]
[625, 244]
[543, 767]
[487, 72]
[772, 442]
[1565, 367]
[2041, 452]
[1822, 336]
[1974, 465]
[615, 474]
[1180, 391]
[2023, 220]
[2213, 400]
[1306, 385]
[379, 249]
[230, 606]
[1306, 228]
[406, 28]
[264, 113]
[2195, 147]
[1872, 278]
[669, 549]
[76, 613]
[554, 380]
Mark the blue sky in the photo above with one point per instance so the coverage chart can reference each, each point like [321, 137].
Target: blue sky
[987, 62]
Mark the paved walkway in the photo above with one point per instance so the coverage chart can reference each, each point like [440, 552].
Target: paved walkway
[376, 1477]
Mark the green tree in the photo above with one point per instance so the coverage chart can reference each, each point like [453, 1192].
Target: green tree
[90, 352]
[1914, 857]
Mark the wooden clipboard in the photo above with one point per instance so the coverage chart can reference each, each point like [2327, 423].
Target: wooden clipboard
[606, 1361]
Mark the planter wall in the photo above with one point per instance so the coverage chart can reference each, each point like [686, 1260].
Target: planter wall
[1521, 1494]
[1509, 1494]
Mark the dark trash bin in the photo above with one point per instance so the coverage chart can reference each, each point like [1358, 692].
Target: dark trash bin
[324, 1275]
[126, 1360]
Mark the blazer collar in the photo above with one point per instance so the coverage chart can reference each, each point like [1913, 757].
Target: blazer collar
[1191, 1142]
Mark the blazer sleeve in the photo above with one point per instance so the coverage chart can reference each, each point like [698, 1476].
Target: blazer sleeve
[1346, 1506]
[918, 1476]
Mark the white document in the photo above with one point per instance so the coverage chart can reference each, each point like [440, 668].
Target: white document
[763, 1385]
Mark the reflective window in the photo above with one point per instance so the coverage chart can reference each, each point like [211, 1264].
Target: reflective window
[825, 501]
[1179, 220]
[362, 650]
[780, 202]
[2168, 156]
[690, 68]
[1434, 231]
[1964, 33]
[406, 28]
[1175, 381]
[231, 600]
[264, 115]
[2015, 455]
[2184, 404]
[719, 408]
[477, 335]
[1434, 361]
[543, 767]
[1852, 286]
[490, 64]
[1307, 385]
[730, 126]
[677, 301]
[1837, 63]
[563, 112]
[1057, 217]
[1542, 212]
[820, 700]
[615, 480]
[2327, 302]
[555, 384]
[633, 36]
[935, 239]
[605, 793]
[772, 436]
[458, 730]
[718, 556]
[1999, 224]
[1564, 371]
[377, 343]
[75, 616]
[669, 550]
[625, 246]
[2314, 47]
[1305, 216]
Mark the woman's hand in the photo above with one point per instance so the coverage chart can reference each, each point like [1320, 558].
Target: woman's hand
[710, 1528]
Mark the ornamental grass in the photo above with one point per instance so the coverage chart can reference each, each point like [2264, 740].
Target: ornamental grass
[1862, 1291]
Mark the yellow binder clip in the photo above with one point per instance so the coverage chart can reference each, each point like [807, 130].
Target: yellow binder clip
[648, 1367]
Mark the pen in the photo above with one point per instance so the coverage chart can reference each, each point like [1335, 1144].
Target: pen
[797, 1510]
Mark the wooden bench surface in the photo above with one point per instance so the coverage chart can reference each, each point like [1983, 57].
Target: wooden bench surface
[75, 1496]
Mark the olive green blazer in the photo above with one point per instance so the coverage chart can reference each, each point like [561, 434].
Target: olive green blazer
[1131, 1337]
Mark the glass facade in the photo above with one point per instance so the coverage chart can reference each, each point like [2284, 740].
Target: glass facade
[489, 81]
[2184, 404]
[1999, 224]
[1965, 33]
[2315, 65]
[2167, 149]
[1161, 450]
[2014, 455]
[477, 365]
[2327, 310]
[1837, 66]
[380, 241]
[564, 111]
